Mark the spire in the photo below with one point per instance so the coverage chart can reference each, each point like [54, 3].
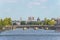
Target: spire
[38, 19]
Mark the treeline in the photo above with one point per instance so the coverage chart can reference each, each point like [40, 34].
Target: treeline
[44, 22]
[6, 22]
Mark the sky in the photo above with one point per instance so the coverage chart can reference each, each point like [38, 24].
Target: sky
[26, 8]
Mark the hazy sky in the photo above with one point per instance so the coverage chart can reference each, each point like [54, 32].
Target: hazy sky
[25, 8]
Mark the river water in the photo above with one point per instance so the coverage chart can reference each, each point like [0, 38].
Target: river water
[30, 34]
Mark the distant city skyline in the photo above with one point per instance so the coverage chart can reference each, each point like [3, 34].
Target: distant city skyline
[26, 8]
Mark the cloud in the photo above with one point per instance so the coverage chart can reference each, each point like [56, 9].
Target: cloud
[36, 3]
[58, 3]
[8, 10]
[43, 0]
[31, 4]
[8, 1]
[44, 7]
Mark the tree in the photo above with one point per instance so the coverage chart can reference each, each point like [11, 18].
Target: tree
[10, 21]
[52, 22]
[34, 23]
[38, 23]
[7, 22]
[46, 21]
[1, 24]
[23, 22]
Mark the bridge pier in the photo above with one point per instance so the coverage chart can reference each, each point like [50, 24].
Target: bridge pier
[24, 28]
[57, 29]
[13, 27]
[36, 28]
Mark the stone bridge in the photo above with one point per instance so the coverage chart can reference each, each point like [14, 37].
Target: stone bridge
[50, 27]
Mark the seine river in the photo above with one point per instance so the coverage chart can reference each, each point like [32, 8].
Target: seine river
[30, 34]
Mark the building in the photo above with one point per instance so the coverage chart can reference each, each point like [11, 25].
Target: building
[58, 21]
[15, 22]
[38, 19]
[30, 18]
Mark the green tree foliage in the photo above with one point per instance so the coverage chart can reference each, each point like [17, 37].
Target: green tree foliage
[38, 23]
[51, 22]
[45, 21]
[41, 23]
[7, 21]
[33, 23]
[10, 21]
[1, 24]
[23, 22]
